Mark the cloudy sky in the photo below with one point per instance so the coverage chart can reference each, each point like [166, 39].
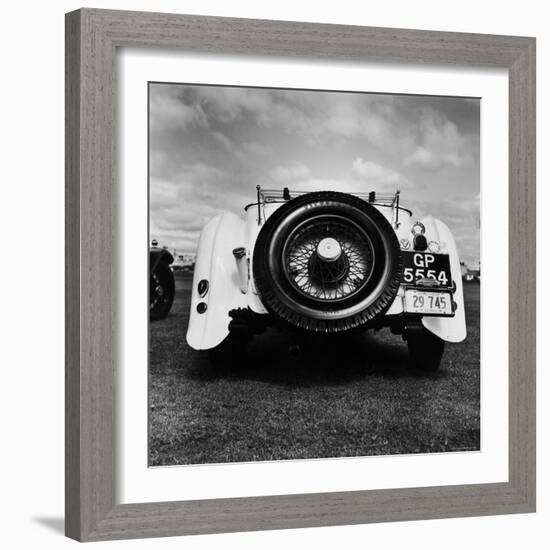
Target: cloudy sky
[210, 146]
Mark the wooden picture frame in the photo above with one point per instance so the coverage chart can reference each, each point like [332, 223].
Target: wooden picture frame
[92, 39]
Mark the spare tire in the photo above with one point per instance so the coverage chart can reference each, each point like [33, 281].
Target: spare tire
[327, 262]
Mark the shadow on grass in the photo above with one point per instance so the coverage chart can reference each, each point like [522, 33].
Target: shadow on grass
[322, 361]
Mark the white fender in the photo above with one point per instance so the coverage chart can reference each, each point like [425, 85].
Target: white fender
[216, 263]
[450, 329]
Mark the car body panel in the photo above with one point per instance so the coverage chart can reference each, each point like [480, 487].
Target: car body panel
[450, 329]
[216, 263]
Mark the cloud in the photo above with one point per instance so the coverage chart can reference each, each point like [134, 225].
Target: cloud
[211, 145]
[441, 145]
[168, 111]
[290, 173]
[359, 116]
[421, 157]
[256, 149]
[378, 177]
[162, 193]
[435, 160]
[227, 104]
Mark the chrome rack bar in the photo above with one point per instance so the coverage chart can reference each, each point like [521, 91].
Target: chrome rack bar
[258, 193]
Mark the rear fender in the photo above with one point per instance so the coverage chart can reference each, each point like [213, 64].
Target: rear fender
[450, 329]
[216, 264]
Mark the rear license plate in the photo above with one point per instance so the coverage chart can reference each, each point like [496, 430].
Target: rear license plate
[426, 265]
[428, 303]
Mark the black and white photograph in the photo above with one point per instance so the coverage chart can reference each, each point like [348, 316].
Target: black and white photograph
[314, 274]
[282, 279]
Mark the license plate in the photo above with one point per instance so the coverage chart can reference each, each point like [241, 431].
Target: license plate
[428, 303]
[426, 265]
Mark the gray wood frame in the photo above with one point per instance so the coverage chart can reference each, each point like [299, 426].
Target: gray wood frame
[92, 38]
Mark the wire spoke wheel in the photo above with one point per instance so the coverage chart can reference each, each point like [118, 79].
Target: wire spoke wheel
[328, 259]
[327, 262]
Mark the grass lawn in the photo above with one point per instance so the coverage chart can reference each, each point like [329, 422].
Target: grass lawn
[356, 398]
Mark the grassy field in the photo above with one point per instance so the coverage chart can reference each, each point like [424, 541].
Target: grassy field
[356, 398]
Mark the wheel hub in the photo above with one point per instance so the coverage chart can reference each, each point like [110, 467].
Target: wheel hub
[329, 249]
[328, 269]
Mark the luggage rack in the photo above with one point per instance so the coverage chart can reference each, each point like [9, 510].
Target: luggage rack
[387, 200]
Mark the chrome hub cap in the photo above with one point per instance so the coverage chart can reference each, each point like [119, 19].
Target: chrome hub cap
[329, 249]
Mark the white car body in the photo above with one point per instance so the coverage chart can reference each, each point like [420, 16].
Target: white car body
[230, 281]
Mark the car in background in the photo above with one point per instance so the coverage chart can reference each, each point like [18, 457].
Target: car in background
[161, 282]
[184, 263]
[470, 275]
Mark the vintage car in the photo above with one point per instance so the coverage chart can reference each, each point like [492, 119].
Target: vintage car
[162, 286]
[328, 263]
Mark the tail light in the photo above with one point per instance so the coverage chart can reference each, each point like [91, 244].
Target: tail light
[420, 242]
